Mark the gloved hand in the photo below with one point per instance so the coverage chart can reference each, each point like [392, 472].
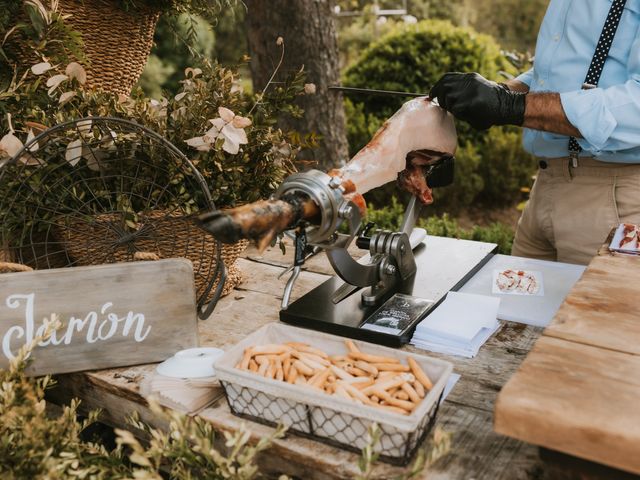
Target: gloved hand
[482, 103]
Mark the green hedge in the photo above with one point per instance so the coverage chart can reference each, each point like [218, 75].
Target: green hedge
[492, 166]
[390, 218]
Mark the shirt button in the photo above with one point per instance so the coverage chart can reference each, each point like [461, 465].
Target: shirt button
[542, 164]
[540, 82]
[556, 37]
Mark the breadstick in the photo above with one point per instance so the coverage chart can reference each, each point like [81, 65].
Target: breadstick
[385, 384]
[310, 363]
[422, 377]
[394, 401]
[374, 399]
[315, 358]
[401, 395]
[302, 368]
[391, 367]
[367, 382]
[253, 366]
[262, 359]
[286, 365]
[341, 392]
[338, 358]
[293, 375]
[246, 358]
[418, 388]
[356, 372]
[355, 393]
[372, 358]
[411, 392]
[340, 373]
[367, 367]
[386, 374]
[279, 371]
[270, 349]
[307, 349]
[321, 378]
[351, 346]
[262, 370]
[271, 370]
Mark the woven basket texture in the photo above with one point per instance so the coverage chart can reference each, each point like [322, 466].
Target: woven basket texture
[102, 239]
[117, 43]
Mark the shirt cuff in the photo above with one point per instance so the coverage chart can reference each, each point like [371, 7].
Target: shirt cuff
[526, 77]
[588, 112]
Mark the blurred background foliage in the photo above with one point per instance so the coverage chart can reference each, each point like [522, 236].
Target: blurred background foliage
[400, 45]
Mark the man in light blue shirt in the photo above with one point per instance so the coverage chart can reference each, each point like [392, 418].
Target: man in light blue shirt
[575, 202]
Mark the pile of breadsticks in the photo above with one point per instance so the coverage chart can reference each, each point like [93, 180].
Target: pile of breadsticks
[373, 380]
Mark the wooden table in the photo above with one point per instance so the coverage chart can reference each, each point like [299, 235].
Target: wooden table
[578, 391]
[477, 452]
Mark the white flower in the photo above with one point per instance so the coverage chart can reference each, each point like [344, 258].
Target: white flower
[229, 127]
[226, 114]
[75, 70]
[66, 97]
[279, 41]
[55, 81]
[10, 145]
[75, 151]
[84, 126]
[310, 88]
[199, 144]
[40, 68]
[193, 72]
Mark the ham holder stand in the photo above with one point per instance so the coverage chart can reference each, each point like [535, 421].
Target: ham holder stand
[361, 301]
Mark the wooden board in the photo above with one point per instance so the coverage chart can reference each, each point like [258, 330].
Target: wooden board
[577, 399]
[603, 309]
[477, 452]
[111, 315]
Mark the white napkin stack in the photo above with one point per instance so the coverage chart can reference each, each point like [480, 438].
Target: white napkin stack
[186, 395]
[459, 326]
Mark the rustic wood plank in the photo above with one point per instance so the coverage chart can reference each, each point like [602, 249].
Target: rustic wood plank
[477, 451]
[111, 315]
[603, 308]
[576, 399]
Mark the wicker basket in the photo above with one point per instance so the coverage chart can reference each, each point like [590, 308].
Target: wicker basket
[102, 239]
[117, 43]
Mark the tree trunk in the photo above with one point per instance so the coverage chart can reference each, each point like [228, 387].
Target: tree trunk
[310, 39]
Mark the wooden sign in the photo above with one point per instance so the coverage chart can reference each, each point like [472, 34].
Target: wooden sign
[111, 315]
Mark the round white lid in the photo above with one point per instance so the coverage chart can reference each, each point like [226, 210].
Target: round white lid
[191, 363]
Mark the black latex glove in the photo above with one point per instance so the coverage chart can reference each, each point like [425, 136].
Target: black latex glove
[482, 103]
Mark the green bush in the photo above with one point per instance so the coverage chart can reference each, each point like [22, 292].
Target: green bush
[491, 166]
[390, 218]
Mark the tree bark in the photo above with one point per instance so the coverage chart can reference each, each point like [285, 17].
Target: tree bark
[309, 35]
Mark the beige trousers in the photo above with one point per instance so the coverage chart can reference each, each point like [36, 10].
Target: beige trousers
[571, 210]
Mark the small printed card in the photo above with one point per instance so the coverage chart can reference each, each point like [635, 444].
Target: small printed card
[512, 281]
[397, 314]
[626, 239]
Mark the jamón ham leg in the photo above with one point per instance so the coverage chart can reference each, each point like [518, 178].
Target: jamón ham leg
[414, 137]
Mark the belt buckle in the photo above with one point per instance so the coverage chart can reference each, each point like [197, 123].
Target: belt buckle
[573, 156]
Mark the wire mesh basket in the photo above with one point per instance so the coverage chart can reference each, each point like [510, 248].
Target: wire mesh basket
[102, 190]
[327, 418]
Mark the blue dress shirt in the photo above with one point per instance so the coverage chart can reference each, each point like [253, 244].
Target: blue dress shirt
[608, 117]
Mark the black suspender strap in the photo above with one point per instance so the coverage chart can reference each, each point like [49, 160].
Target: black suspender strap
[597, 62]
